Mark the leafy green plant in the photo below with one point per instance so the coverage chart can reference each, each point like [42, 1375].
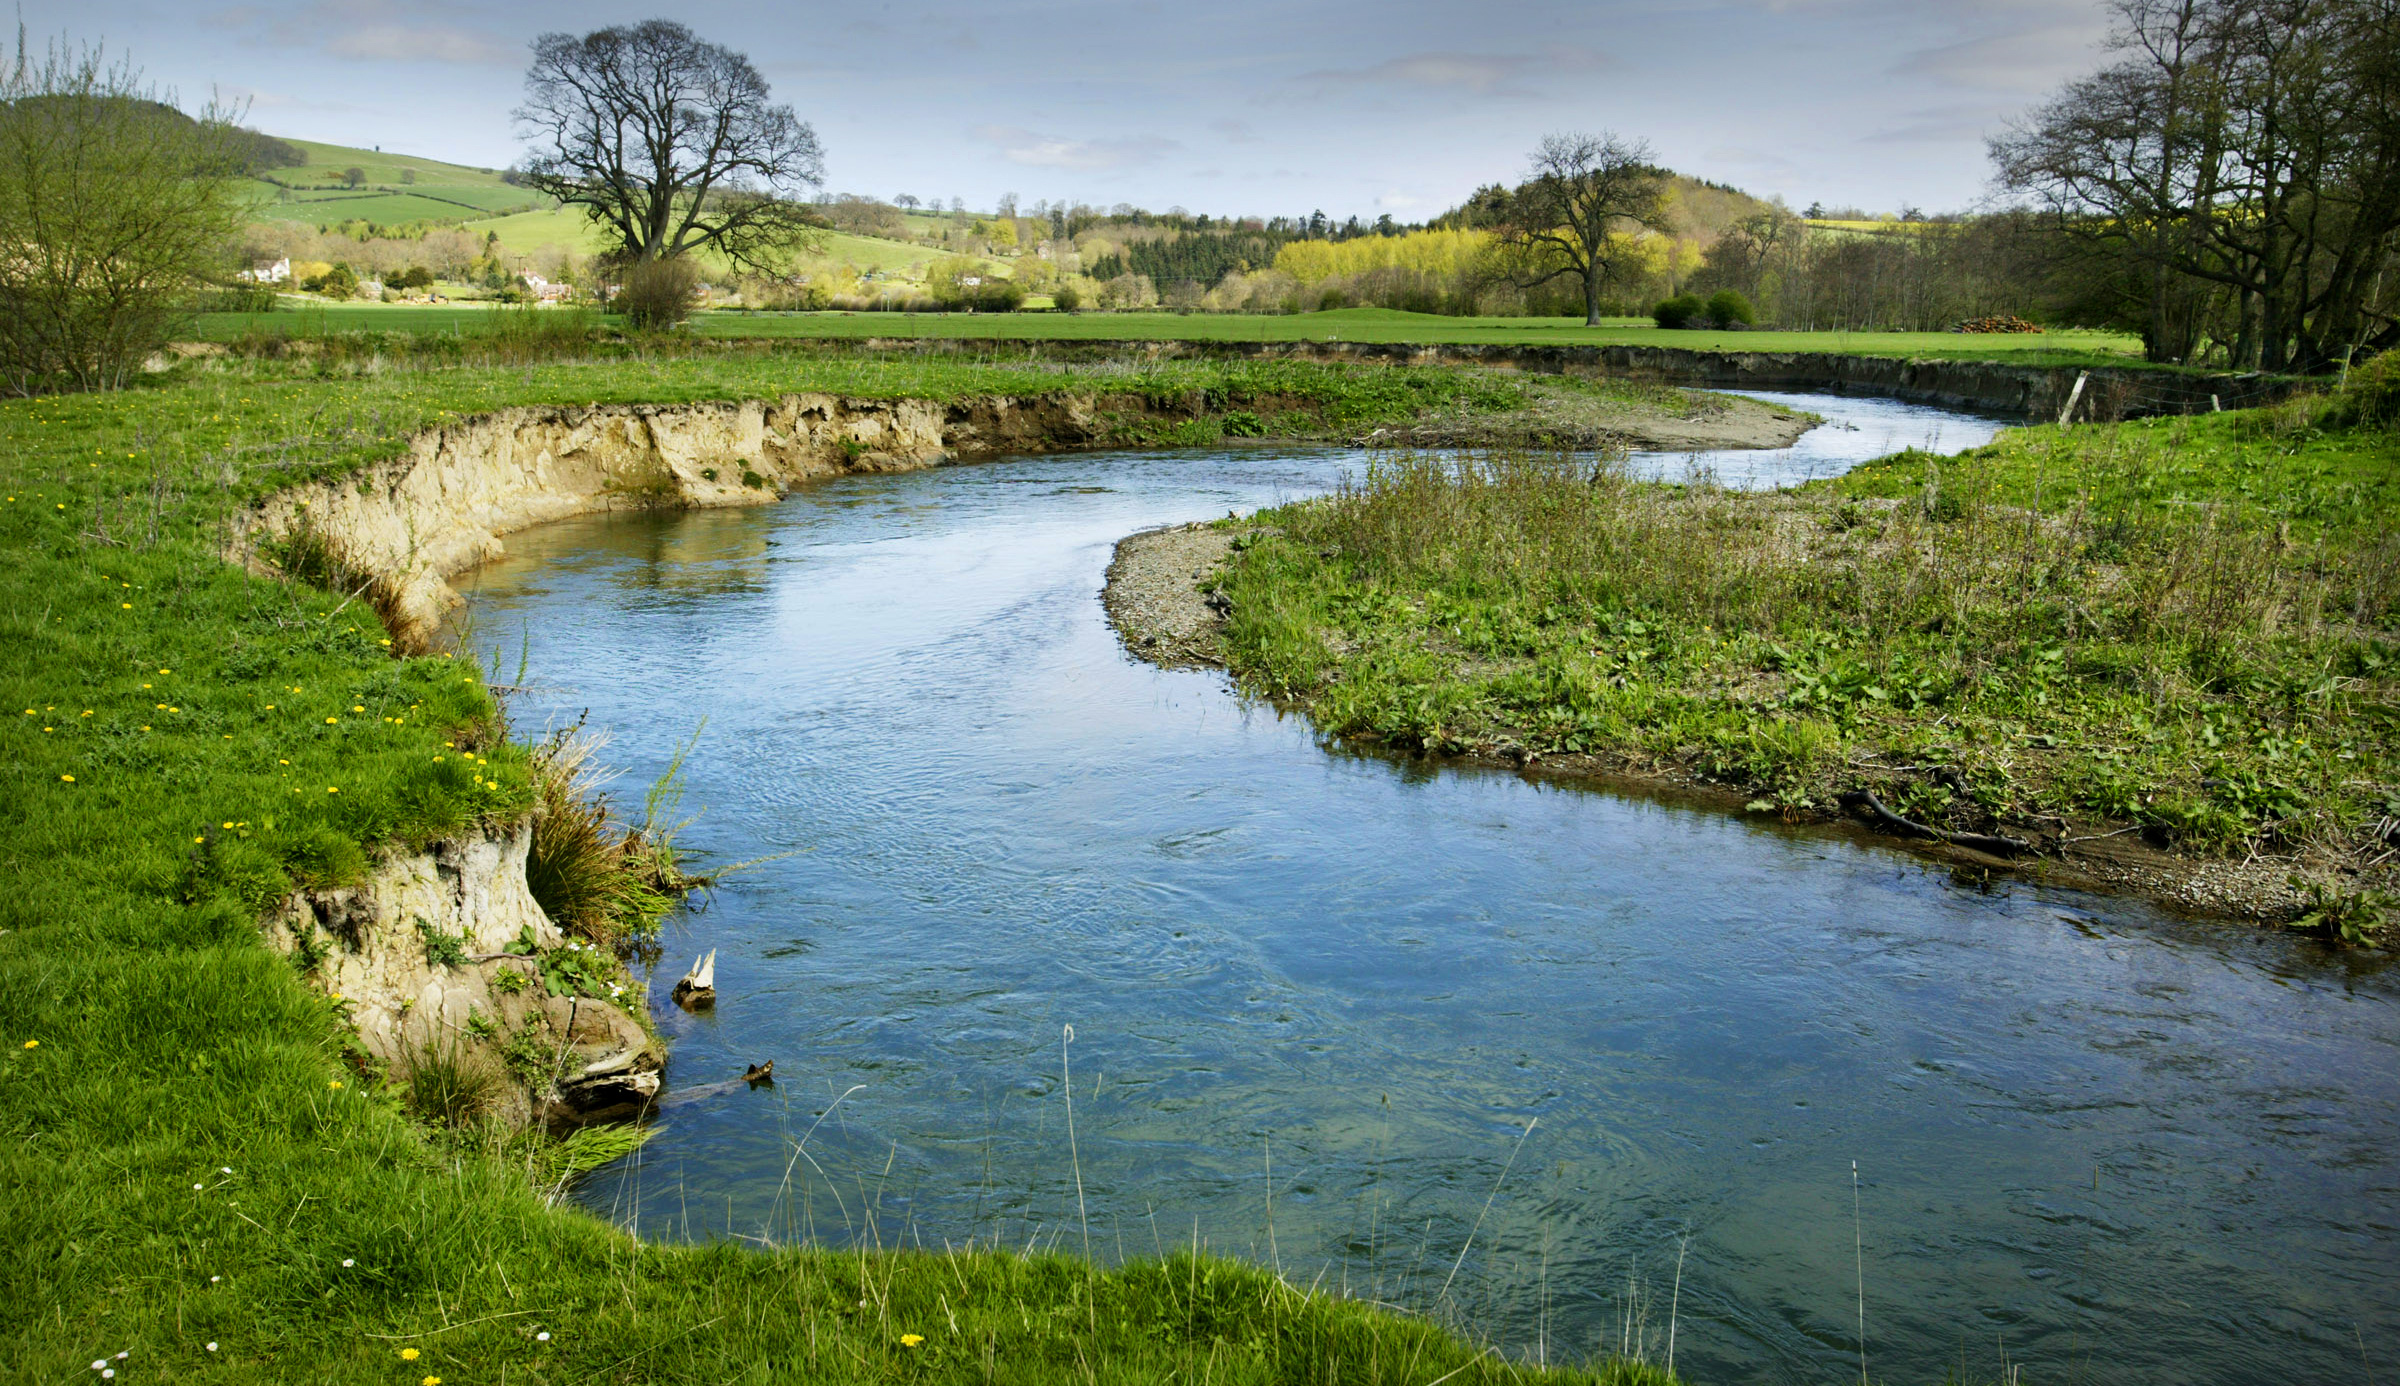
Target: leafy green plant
[2353, 917]
[441, 949]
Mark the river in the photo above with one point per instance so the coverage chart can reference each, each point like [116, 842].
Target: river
[1568, 1065]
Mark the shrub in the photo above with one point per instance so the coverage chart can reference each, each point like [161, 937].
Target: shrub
[655, 295]
[1726, 307]
[1065, 299]
[2371, 396]
[115, 208]
[340, 281]
[997, 296]
[1678, 311]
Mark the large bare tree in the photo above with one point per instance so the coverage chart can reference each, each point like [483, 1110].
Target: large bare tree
[670, 142]
[1568, 218]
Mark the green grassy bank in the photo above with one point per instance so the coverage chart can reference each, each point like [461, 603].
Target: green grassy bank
[199, 1175]
[2062, 348]
[2184, 633]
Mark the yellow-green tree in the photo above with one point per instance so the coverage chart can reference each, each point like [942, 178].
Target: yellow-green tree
[115, 207]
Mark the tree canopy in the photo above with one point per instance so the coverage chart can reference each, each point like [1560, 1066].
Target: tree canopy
[1568, 219]
[671, 143]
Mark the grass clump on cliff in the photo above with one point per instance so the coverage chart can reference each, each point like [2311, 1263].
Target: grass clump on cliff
[2183, 627]
[199, 1173]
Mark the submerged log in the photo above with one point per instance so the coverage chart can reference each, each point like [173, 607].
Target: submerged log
[1981, 842]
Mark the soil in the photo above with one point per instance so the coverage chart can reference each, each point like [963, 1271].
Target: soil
[1157, 596]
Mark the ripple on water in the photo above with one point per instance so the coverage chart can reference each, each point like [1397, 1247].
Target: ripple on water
[2123, 1144]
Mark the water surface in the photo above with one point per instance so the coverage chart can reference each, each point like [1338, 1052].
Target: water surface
[1324, 1004]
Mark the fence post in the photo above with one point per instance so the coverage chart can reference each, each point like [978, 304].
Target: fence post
[2073, 396]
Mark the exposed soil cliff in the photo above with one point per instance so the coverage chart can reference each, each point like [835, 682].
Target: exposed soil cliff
[435, 959]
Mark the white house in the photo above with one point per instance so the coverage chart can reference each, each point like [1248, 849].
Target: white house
[262, 272]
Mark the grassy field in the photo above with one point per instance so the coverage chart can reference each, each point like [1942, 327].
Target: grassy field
[441, 191]
[1343, 325]
[2188, 628]
[1392, 325]
[201, 1174]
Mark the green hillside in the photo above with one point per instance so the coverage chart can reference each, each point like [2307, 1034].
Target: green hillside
[397, 189]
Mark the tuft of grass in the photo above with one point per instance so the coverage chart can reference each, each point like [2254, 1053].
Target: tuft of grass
[2187, 626]
[449, 1084]
[598, 879]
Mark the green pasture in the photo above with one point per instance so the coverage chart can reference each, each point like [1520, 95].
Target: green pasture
[1342, 325]
[442, 191]
[1392, 325]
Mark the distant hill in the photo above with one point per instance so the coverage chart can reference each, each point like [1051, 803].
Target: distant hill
[394, 189]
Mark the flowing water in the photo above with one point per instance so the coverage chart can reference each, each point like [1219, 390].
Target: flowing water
[1566, 1064]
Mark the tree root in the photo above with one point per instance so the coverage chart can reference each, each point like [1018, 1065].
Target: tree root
[1857, 799]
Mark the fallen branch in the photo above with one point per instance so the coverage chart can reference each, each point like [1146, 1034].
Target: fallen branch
[1981, 842]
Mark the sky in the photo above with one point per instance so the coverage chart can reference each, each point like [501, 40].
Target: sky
[1230, 107]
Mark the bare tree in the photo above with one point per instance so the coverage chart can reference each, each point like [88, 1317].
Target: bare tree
[2242, 158]
[669, 142]
[1567, 220]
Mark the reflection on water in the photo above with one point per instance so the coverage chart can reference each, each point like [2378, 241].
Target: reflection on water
[2112, 1142]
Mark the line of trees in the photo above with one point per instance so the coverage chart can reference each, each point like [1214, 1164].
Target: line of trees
[2233, 180]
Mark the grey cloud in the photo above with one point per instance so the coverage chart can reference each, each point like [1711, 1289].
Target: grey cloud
[1942, 125]
[1480, 74]
[401, 43]
[1034, 149]
[2026, 60]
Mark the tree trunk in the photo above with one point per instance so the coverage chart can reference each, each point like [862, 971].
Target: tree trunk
[1591, 296]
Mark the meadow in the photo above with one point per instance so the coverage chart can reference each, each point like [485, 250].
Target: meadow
[2182, 628]
[207, 1178]
[1340, 325]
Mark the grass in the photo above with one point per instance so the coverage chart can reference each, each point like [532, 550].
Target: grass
[1391, 325]
[201, 1173]
[440, 192]
[2185, 627]
[1346, 325]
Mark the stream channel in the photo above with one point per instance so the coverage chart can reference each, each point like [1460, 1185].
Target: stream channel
[1318, 996]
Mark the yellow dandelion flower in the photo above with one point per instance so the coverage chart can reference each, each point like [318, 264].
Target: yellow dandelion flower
[336, 1084]
[911, 1339]
[408, 1354]
[70, 779]
[33, 1044]
[329, 721]
[333, 789]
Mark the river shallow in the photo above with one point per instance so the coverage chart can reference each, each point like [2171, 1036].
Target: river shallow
[2105, 1141]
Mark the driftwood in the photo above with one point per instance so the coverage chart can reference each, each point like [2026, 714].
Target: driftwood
[698, 987]
[1858, 799]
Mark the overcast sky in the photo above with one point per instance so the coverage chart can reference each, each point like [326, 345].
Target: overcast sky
[1221, 106]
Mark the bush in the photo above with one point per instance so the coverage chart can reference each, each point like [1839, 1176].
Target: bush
[1065, 299]
[1726, 307]
[1678, 311]
[116, 209]
[338, 282]
[997, 296]
[655, 295]
[2371, 397]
